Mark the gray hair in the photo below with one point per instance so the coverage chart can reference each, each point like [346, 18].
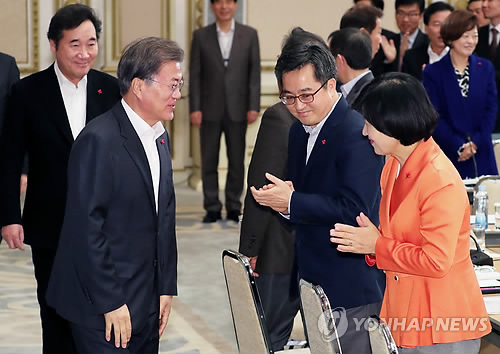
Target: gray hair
[144, 58]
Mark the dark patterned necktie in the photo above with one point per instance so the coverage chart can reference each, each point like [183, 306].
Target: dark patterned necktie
[494, 43]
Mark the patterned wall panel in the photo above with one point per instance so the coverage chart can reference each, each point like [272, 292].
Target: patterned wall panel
[19, 24]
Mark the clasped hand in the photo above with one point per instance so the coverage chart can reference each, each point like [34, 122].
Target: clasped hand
[275, 195]
[361, 240]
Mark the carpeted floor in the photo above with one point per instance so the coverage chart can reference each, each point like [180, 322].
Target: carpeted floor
[200, 321]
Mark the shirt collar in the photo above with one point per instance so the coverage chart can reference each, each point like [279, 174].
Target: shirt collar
[497, 27]
[346, 88]
[433, 57]
[221, 32]
[142, 128]
[63, 80]
[310, 130]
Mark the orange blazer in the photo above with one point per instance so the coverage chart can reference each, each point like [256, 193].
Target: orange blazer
[432, 294]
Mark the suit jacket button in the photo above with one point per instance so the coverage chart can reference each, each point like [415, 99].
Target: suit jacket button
[155, 262]
[396, 277]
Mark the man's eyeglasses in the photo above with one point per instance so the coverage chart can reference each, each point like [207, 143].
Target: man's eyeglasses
[174, 87]
[412, 15]
[304, 98]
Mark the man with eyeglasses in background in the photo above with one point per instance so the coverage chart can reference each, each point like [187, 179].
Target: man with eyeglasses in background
[409, 13]
[333, 173]
[417, 58]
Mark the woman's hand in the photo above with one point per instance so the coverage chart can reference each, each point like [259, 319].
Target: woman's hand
[353, 239]
[469, 149]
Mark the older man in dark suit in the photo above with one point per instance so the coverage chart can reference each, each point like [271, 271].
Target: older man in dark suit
[46, 112]
[116, 267]
[224, 97]
[334, 174]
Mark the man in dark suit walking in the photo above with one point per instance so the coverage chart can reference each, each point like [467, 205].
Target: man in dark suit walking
[224, 97]
[265, 236]
[487, 46]
[45, 114]
[416, 58]
[333, 173]
[353, 55]
[116, 267]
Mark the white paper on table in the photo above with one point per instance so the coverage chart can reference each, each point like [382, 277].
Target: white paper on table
[492, 303]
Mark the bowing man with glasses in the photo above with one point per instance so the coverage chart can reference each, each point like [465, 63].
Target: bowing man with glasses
[332, 172]
[115, 271]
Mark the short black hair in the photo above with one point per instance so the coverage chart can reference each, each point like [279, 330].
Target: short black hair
[377, 3]
[420, 3]
[301, 48]
[361, 16]
[70, 17]
[436, 7]
[397, 105]
[354, 45]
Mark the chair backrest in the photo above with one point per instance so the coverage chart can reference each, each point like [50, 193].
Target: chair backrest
[492, 184]
[246, 307]
[320, 322]
[496, 151]
[381, 340]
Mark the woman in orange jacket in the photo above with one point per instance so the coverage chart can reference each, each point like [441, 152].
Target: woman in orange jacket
[432, 302]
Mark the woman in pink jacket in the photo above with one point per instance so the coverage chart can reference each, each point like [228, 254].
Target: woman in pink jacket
[432, 302]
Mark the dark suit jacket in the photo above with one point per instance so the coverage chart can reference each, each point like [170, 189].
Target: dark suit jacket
[353, 95]
[460, 117]
[414, 60]
[420, 41]
[37, 123]
[483, 50]
[10, 74]
[115, 248]
[264, 232]
[214, 87]
[377, 66]
[341, 179]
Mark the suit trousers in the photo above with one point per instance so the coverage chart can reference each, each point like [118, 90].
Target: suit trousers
[356, 338]
[145, 341]
[281, 302]
[210, 135]
[56, 331]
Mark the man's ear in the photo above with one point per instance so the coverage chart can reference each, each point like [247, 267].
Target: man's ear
[53, 47]
[137, 86]
[362, 29]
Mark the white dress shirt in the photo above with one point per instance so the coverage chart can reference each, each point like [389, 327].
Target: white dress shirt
[347, 87]
[313, 136]
[75, 100]
[433, 57]
[225, 41]
[148, 136]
